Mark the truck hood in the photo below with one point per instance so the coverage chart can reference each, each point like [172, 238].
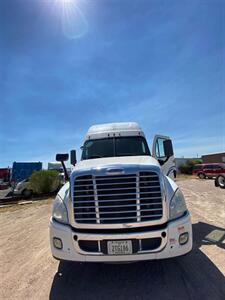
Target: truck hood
[130, 161]
[115, 161]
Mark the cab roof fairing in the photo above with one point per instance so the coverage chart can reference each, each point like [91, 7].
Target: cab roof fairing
[114, 129]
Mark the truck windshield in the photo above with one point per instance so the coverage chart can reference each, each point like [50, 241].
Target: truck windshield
[119, 146]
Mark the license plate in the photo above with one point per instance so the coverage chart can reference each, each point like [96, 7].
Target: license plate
[119, 247]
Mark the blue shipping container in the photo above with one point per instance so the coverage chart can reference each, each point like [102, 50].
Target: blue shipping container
[23, 170]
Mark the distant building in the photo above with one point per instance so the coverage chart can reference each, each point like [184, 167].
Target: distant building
[55, 166]
[214, 158]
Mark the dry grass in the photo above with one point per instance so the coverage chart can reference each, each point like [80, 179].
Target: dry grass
[185, 177]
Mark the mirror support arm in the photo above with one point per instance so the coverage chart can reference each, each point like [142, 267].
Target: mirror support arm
[65, 171]
[63, 157]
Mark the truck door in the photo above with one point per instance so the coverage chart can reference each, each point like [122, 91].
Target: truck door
[162, 150]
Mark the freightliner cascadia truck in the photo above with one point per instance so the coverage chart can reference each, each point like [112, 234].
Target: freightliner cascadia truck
[120, 203]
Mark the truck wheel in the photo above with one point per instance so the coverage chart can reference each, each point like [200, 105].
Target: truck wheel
[27, 193]
[201, 176]
[221, 181]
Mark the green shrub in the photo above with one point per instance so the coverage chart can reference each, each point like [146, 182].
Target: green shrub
[44, 181]
[187, 168]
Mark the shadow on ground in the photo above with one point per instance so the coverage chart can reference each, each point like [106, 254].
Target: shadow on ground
[193, 276]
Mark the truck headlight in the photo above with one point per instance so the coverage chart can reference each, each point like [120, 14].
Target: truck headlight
[59, 211]
[177, 205]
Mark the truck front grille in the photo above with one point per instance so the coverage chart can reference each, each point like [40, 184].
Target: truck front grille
[117, 199]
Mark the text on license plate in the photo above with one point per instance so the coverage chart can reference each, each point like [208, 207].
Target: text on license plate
[119, 247]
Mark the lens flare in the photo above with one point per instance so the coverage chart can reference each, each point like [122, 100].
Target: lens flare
[74, 23]
[65, 1]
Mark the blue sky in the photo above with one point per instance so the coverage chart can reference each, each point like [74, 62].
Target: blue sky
[160, 63]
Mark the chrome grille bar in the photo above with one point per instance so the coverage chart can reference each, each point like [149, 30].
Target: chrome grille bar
[118, 212]
[110, 206]
[117, 200]
[110, 177]
[116, 189]
[96, 202]
[126, 194]
[152, 181]
[138, 198]
[149, 216]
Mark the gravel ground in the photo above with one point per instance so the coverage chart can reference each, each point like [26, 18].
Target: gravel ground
[29, 272]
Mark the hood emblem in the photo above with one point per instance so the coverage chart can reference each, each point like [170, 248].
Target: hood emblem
[114, 171]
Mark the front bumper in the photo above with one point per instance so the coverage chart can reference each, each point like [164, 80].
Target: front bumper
[169, 247]
[17, 192]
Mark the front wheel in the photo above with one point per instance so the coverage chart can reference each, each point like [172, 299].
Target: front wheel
[201, 176]
[27, 193]
[220, 180]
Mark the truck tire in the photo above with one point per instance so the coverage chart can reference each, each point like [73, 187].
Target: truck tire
[27, 193]
[220, 181]
[201, 175]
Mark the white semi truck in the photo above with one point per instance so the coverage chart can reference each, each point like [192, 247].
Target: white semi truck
[120, 203]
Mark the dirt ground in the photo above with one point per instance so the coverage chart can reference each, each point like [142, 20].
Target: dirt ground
[28, 271]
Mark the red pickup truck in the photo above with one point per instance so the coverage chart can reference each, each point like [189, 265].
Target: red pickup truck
[209, 170]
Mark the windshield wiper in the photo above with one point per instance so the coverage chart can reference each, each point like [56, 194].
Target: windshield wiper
[128, 154]
[94, 156]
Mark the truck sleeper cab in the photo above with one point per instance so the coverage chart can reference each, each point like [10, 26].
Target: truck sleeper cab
[120, 203]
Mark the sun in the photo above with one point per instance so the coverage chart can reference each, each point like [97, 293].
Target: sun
[65, 2]
[73, 22]
[66, 6]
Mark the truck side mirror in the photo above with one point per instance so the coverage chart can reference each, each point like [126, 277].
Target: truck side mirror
[73, 157]
[168, 148]
[62, 157]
